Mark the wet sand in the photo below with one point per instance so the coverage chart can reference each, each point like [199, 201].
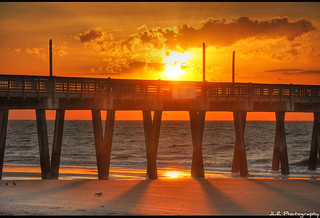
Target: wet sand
[220, 196]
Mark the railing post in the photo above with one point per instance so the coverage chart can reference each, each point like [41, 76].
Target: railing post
[24, 87]
[82, 86]
[291, 97]
[159, 91]
[261, 94]
[8, 93]
[38, 87]
[270, 93]
[67, 89]
[250, 96]
[54, 87]
[280, 93]
[109, 85]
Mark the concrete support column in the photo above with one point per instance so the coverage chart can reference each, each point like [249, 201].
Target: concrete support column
[152, 133]
[108, 136]
[57, 143]
[197, 120]
[239, 156]
[280, 155]
[103, 144]
[3, 133]
[43, 144]
[315, 142]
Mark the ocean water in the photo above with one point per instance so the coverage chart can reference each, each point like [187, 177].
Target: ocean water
[128, 156]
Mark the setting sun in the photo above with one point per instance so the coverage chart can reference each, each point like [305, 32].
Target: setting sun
[172, 174]
[175, 64]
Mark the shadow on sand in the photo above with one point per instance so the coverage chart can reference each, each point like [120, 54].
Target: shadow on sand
[223, 204]
[124, 201]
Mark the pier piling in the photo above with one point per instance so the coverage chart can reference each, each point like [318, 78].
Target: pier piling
[315, 142]
[152, 133]
[239, 162]
[57, 143]
[280, 155]
[49, 171]
[43, 144]
[103, 144]
[197, 119]
[3, 133]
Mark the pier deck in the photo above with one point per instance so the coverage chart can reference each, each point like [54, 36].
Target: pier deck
[72, 93]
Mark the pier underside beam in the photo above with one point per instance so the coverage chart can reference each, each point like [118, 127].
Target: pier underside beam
[315, 142]
[152, 133]
[3, 133]
[280, 155]
[103, 144]
[239, 162]
[197, 119]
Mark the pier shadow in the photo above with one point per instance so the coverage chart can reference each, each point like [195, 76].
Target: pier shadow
[50, 191]
[224, 204]
[129, 199]
[290, 195]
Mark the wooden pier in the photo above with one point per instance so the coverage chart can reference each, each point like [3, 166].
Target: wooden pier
[72, 93]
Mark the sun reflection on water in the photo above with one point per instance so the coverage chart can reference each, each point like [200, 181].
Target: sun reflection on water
[172, 174]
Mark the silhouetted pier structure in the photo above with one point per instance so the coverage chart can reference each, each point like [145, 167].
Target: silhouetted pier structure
[71, 93]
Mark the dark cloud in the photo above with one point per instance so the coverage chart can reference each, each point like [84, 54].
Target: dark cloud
[213, 32]
[221, 33]
[284, 70]
[90, 35]
[310, 72]
[294, 71]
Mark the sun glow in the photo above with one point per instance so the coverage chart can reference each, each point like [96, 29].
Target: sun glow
[175, 64]
[172, 174]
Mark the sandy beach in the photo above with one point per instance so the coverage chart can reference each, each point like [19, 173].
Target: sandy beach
[221, 196]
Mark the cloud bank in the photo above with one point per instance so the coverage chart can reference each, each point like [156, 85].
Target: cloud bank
[148, 44]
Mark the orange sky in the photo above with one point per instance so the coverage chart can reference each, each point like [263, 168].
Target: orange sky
[274, 43]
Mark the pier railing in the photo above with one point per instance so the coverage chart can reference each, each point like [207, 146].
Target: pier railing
[71, 87]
